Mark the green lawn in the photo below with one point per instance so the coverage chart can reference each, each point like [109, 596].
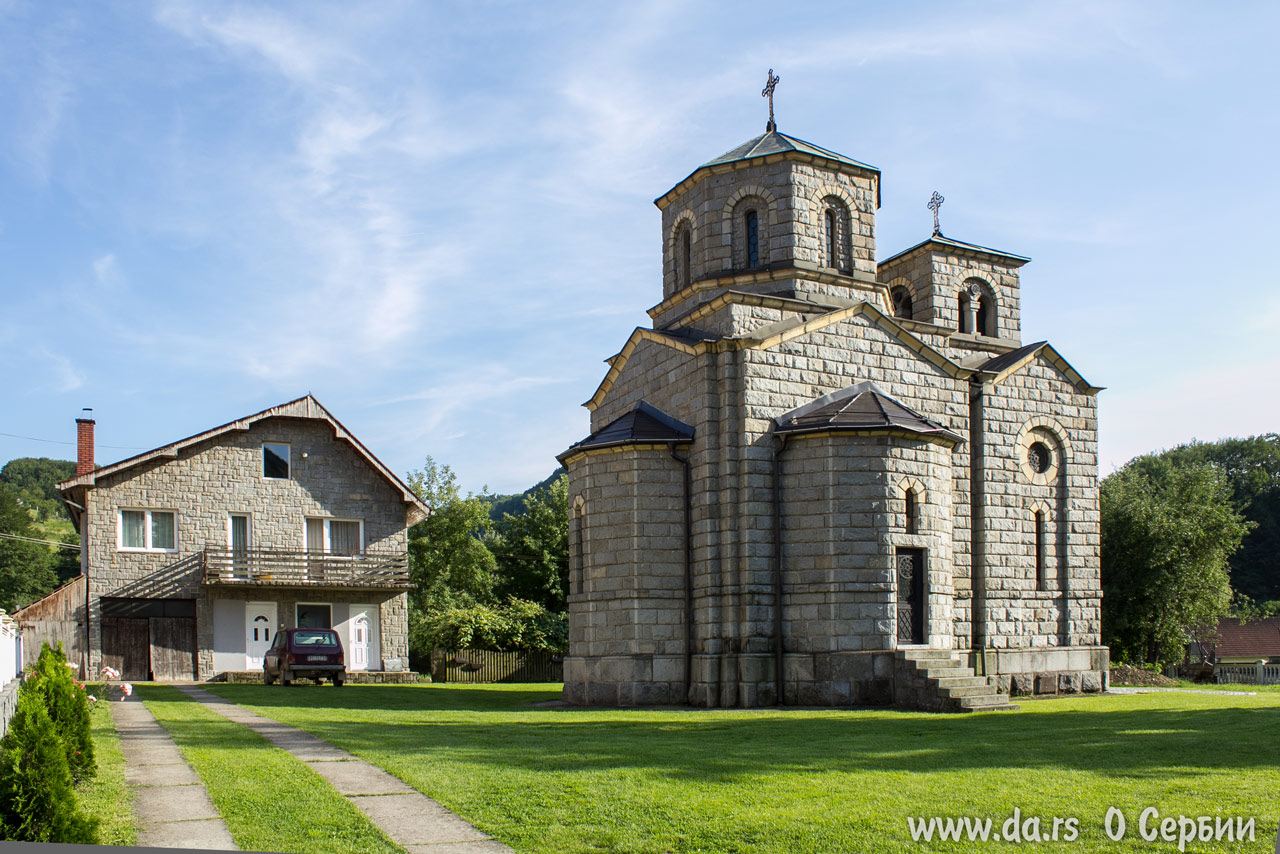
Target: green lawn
[551, 780]
[106, 795]
[269, 800]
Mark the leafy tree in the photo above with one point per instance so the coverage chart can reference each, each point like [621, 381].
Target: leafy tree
[26, 571]
[35, 481]
[1167, 532]
[1252, 467]
[532, 547]
[514, 625]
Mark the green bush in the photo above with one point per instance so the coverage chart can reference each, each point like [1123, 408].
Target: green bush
[515, 625]
[68, 706]
[37, 801]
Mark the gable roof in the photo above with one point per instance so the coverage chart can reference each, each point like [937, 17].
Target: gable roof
[644, 423]
[304, 407]
[859, 408]
[1001, 367]
[769, 144]
[1256, 637]
[939, 241]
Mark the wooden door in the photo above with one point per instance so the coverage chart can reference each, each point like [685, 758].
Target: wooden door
[173, 649]
[126, 646]
[910, 598]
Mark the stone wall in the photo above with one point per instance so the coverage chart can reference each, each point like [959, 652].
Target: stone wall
[224, 476]
[937, 276]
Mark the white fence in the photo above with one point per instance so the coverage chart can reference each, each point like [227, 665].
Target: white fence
[1247, 674]
[10, 649]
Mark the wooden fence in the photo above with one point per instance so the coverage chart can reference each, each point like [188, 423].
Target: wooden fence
[1247, 674]
[483, 665]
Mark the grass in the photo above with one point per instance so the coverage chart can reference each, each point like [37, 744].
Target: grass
[106, 795]
[269, 800]
[560, 780]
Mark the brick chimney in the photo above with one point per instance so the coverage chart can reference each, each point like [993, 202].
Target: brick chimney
[84, 443]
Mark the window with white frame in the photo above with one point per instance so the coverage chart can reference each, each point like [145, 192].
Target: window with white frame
[147, 531]
[335, 536]
[275, 460]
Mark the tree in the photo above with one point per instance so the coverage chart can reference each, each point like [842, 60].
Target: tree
[35, 481]
[1252, 467]
[1167, 532]
[26, 571]
[532, 548]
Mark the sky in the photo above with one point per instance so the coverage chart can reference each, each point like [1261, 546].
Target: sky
[438, 217]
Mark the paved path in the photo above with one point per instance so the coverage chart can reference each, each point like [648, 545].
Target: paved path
[406, 815]
[1151, 689]
[170, 802]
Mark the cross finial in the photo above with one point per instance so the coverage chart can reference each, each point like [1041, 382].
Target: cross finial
[771, 83]
[935, 202]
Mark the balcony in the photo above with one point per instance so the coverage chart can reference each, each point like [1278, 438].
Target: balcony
[289, 568]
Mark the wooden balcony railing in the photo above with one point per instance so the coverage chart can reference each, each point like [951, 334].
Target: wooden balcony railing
[285, 567]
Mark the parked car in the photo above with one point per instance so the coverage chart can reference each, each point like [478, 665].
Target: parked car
[305, 653]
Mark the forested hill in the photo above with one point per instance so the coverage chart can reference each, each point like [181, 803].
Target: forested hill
[34, 480]
[504, 504]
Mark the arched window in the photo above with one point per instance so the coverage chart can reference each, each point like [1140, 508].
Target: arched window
[912, 523]
[1039, 533]
[751, 232]
[984, 317]
[985, 307]
[686, 258]
[962, 323]
[902, 306]
[580, 520]
[833, 259]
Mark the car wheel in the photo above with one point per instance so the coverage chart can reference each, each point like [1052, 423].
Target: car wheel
[286, 678]
[266, 678]
[319, 680]
[338, 681]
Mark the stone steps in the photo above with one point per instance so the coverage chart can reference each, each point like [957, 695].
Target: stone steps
[937, 680]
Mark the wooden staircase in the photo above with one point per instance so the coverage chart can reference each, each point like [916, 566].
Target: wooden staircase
[936, 680]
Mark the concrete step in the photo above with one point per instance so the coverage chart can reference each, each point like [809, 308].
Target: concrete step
[987, 702]
[966, 692]
[969, 681]
[945, 671]
[920, 654]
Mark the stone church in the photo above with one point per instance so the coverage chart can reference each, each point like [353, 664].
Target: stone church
[825, 479]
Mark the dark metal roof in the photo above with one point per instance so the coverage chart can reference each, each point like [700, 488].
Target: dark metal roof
[774, 142]
[857, 408]
[643, 424]
[999, 363]
[948, 242]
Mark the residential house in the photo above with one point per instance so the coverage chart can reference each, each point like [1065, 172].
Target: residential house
[196, 553]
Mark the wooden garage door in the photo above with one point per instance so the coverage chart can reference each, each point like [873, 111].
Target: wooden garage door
[173, 649]
[126, 646]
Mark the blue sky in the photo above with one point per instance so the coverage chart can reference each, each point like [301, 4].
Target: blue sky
[438, 217]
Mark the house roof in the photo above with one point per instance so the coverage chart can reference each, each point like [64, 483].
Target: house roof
[1007, 360]
[1256, 637]
[939, 241]
[304, 407]
[858, 408]
[644, 423]
[768, 144]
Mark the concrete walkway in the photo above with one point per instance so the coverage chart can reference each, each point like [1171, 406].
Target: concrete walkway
[409, 817]
[171, 803]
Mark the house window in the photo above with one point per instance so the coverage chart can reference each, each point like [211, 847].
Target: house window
[148, 531]
[752, 231]
[1040, 550]
[335, 536]
[275, 460]
[313, 616]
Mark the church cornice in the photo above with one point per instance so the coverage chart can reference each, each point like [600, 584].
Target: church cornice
[721, 168]
[618, 362]
[941, 243]
[781, 271]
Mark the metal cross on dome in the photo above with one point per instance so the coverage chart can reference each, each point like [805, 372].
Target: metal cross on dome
[935, 202]
[771, 83]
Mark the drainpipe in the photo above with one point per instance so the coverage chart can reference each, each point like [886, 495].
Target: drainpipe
[777, 568]
[688, 574]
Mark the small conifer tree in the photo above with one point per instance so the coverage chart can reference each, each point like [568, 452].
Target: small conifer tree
[68, 706]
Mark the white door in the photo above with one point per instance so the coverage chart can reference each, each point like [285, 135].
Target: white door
[259, 630]
[363, 647]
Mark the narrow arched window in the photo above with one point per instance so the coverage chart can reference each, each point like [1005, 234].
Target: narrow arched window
[1039, 550]
[963, 323]
[686, 259]
[984, 325]
[912, 523]
[832, 259]
[902, 305]
[751, 228]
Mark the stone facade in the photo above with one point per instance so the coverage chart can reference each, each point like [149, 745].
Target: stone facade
[203, 482]
[740, 563]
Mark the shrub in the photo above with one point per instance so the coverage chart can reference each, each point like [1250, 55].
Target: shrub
[68, 706]
[37, 801]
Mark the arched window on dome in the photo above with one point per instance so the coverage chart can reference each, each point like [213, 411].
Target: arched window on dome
[911, 523]
[962, 322]
[832, 259]
[837, 252]
[902, 303]
[751, 236]
[684, 256]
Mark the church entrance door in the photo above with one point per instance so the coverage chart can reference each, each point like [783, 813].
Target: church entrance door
[910, 572]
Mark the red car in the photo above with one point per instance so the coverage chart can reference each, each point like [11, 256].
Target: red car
[307, 653]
